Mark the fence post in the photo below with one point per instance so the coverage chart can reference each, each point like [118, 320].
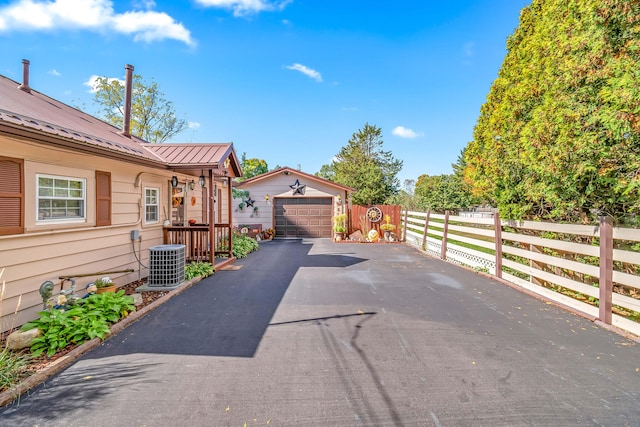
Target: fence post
[606, 269]
[426, 229]
[497, 226]
[404, 231]
[443, 250]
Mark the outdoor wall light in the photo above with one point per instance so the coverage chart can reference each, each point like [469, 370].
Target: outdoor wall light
[174, 181]
[202, 181]
[192, 185]
[266, 197]
[338, 199]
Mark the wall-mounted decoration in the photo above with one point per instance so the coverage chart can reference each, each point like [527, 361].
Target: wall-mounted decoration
[374, 214]
[177, 199]
[298, 188]
[249, 202]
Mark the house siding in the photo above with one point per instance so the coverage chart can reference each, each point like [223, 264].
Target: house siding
[46, 251]
[276, 186]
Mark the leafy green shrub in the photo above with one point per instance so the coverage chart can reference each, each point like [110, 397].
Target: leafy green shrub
[12, 368]
[113, 306]
[198, 269]
[243, 245]
[89, 319]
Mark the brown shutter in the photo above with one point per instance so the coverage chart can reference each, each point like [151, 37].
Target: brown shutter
[11, 196]
[103, 198]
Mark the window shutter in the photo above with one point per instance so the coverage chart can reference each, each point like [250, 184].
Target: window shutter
[103, 198]
[11, 196]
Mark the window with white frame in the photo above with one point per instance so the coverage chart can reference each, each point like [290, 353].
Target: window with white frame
[60, 198]
[151, 205]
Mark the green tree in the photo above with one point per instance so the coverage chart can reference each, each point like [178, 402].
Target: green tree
[153, 118]
[406, 196]
[559, 135]
[442, 192]
[327, 172]
[364, 166]
[252, 167]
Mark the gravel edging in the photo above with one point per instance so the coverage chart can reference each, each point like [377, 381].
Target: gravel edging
[63, 362]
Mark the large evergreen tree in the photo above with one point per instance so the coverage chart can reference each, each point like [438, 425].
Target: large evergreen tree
[364, 166]
[559, 135]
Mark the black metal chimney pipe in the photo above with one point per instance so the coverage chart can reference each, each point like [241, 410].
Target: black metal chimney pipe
[126, 122]
[25, 76]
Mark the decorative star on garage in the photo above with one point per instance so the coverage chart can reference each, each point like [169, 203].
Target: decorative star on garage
[249, 202]
[298, 188]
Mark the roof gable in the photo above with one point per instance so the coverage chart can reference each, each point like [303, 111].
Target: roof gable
[289, 171]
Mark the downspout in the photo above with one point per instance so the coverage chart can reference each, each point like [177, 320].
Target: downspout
[126, 122]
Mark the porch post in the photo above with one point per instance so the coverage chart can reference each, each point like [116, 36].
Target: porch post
[229, 200]
[212, 224]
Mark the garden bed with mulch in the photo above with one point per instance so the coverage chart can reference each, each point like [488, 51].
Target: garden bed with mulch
[37, 364]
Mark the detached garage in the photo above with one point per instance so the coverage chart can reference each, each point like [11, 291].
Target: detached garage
[294, 203]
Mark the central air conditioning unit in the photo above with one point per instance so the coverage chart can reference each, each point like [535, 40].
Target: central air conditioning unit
[166, 265]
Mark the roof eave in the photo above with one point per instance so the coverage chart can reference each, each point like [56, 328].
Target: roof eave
[293, 171]
[41, 137]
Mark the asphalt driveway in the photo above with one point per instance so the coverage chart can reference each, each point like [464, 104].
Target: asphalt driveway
[312, 333]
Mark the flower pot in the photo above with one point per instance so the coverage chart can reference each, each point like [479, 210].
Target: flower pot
[111, 288]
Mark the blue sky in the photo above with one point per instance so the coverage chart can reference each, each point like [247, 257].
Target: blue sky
[286, 81]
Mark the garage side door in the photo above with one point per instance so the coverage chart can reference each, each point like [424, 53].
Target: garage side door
[303, 217]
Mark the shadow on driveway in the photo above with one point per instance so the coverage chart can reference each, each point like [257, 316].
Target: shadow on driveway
[225, 314]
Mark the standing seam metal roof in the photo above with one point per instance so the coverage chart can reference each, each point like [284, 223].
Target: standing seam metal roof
[38, 112]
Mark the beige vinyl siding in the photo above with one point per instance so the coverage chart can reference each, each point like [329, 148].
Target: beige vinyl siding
[277, 186]
[47, 251]
[41, 258]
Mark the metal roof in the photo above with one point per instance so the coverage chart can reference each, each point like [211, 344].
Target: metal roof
[34, 112]
[289, 171]
[195, 154]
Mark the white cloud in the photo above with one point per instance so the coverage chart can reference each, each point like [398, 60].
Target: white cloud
[193, 125]
[93, 15]
[309, 72]
[245, 7]
[54, 72]
[404, 132]
[92, 83]
[349, 109]
[468, 48]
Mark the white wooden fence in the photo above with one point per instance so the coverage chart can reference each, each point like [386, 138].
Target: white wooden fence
[592, 269]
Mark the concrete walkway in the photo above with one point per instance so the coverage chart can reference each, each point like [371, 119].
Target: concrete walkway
[312, 333]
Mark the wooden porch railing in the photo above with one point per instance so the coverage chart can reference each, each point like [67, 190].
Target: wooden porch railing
[196, 240]
[222, 237]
